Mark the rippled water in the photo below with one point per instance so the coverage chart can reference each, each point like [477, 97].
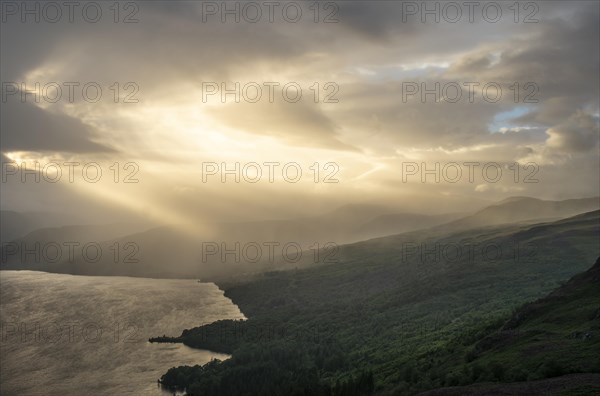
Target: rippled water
[75, 335]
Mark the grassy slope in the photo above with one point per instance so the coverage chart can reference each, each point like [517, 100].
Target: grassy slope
[566, 385]
[410, 319]
[559, 333]
[553, 336]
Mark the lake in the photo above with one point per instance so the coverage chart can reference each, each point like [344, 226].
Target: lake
[72, 335]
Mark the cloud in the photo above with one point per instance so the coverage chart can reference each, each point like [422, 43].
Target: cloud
[300, 124]
[369, 53]
[26, 127]
[578, 134]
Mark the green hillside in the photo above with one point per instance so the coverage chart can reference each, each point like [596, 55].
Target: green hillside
[388, 318]
[550, 337]
[555, 335]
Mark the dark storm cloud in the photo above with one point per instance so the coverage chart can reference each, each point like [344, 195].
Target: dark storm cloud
[541, 53]
[561, 56]
[171, 48]
[26, 127]
[377, 23]
[160, 47]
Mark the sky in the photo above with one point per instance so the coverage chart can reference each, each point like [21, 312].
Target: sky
[311, 106]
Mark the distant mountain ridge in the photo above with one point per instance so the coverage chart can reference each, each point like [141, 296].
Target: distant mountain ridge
[523, 209]
[16, 225]
[167, 252]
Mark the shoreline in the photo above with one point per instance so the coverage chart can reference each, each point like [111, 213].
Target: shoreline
[185, 333]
